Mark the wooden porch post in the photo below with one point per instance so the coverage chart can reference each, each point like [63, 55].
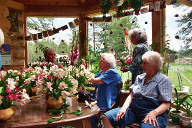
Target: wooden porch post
[26, 46]
[158, 29]
[83, 37]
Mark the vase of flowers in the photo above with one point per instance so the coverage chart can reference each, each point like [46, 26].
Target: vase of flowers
[11, 92]
[59, 85]
[54, 103]
[82, 75]
[6, 114]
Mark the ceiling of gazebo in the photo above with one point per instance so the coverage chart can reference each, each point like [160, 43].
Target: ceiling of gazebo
[67, 8]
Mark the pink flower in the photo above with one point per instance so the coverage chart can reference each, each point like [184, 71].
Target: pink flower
[8, 90]
[129, 61]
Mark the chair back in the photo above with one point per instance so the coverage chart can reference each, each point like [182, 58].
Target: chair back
[117, 100]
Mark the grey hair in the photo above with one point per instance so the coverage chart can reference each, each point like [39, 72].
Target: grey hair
[109, 58]
[153, 58]
[139, 35]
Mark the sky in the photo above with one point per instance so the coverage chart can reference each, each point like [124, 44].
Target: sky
[171, 26]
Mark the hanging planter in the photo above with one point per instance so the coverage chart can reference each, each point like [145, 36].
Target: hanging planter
[106, 5]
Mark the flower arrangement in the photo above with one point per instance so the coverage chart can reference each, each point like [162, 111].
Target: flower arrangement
[59, 82]
[11, 90]
[124, 62]
[82, 75]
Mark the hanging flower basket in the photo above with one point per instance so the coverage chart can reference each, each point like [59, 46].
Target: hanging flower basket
[121, 5]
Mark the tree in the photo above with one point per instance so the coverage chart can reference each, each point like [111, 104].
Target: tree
[185, 32]
[110, 34]
[39, 23]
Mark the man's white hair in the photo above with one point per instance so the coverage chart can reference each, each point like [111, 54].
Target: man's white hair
[109, 58]
[153, 58]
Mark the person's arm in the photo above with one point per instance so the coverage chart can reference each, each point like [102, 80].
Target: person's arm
[96, 81]
[123, 109]
[151, 116]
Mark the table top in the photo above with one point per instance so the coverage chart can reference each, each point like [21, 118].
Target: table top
[34, 114]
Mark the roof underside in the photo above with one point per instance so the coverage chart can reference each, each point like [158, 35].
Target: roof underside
[66, 8]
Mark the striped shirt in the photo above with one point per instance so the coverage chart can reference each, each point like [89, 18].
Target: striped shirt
[158, 88]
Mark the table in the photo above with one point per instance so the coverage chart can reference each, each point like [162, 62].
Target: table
[34, 114]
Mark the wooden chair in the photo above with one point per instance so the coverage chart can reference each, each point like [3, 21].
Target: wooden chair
[117, 100]
[114, 105]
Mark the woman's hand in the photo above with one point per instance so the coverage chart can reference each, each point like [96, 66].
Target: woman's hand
[120, 114]
[151, 117]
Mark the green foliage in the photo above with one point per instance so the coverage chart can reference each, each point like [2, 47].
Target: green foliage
[39, 23]
[35, 50]
[78, 112]
[185, 53]
[185, 70]
[55, 112]
[108, 4]
[186, 29]
[94, 61]
[178, 100]
[111, 35]
[188, 105]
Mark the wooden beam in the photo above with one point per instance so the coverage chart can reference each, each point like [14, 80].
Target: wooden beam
[185, 2]
[54, 11]
[83, 35]
[156, 30]
[96, 9]
[26, 45]
[12, 4]
[50, 2]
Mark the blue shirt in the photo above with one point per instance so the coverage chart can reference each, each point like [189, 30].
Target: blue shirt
[106, 93]
[158, 88]
[0, 61]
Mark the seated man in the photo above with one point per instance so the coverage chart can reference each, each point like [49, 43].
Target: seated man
[50, 56]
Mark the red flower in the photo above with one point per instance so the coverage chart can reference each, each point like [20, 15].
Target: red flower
[8, 90]
[126, 32]
[129, 61]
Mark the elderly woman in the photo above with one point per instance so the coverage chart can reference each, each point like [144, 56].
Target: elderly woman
[138, 38]
[149, 98]
[106, 82]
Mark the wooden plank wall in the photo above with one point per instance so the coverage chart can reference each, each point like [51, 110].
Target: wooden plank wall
[11, 22]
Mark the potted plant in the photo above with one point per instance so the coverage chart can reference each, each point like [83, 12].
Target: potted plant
[186, 117]
[176, 106]
[10, 93]
[59, 85]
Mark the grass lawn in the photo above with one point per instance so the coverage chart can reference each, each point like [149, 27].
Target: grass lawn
[185, 71]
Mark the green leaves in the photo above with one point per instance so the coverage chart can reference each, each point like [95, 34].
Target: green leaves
[1, 90]
[61, 112]
[78, 112]
[53, 119]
